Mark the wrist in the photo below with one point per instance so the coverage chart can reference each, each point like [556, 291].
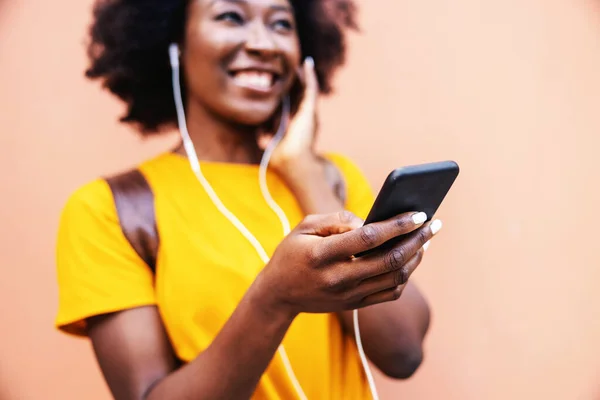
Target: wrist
[263, 299]
[301, 170]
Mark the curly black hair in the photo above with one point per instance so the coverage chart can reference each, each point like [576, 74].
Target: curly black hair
[130, 38]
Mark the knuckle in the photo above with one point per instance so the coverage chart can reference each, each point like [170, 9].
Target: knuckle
[397, 292]
[334, 283]
[348, 297]
[346, 216]
[416, 260]
[304, 223]
[419, 256]
[368, 235]
[394, 259]
[310, 220]
[314, 256]
[423, 236]
[403, 224]
[402, 276]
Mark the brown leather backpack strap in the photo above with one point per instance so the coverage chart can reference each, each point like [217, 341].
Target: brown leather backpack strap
[134, 201]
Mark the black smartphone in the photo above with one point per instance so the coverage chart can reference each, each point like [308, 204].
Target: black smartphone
[420, 188]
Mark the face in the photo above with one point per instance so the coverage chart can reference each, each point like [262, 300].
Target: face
[240, 57]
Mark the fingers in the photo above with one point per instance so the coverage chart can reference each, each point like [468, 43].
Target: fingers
[382, 297]
[392, 267]
[308, 76]
[392, 279]
[390, 286]
[373, 235]
[330, 224]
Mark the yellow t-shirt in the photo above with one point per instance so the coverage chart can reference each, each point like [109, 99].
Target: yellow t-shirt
[204, 267]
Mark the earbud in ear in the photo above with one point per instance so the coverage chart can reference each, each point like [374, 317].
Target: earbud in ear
[174, 55]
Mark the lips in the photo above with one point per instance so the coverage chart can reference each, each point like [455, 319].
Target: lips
[254, 79]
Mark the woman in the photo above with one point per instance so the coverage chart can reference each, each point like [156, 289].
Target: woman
[218, 319]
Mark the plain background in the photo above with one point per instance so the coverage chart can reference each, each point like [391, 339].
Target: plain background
[509, 89]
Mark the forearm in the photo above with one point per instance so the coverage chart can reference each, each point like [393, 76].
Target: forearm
[231, 367]
[306, 178]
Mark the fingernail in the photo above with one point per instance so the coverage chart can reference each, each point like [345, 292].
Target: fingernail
[436, 226]
[426, 245]
[419, 218]
[310, 61]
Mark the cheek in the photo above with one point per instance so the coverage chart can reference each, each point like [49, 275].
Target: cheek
[293, 62]
[198, 78]
[293, 53]
[201, 62]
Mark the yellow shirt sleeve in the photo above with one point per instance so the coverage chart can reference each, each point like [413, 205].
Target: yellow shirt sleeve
[359, 194]
[97, 269]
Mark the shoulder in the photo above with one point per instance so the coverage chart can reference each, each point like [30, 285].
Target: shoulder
[98, 271]
[97, 196]
[159, 170]
[94, 197]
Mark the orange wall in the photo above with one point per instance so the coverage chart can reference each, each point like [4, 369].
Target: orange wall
[510, 89]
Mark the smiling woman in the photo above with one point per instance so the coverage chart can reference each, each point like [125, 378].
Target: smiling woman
[129, 41]
[210, 295]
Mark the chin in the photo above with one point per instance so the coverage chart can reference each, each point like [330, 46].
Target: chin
[253, 114]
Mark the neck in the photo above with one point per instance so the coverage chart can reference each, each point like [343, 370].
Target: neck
[218, 140]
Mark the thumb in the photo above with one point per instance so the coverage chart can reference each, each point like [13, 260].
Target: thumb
[311, 86]
[330, 224]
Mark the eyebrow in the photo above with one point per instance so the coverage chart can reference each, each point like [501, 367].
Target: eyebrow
[273, 7]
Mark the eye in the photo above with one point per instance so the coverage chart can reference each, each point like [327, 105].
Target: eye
[283, 25]
[231, 17]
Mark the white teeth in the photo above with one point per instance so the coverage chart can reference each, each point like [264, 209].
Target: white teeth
[260, 80]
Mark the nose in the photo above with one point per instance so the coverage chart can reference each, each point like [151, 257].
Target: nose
[260, 40]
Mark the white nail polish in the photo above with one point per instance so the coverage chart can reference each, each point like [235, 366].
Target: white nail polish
[426, 245]
[310, 61]
[436, 226]
[419, 218]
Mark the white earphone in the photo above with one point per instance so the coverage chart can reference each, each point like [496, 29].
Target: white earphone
[262, 176]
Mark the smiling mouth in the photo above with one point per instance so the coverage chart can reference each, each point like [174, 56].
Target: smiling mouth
[257, 80]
